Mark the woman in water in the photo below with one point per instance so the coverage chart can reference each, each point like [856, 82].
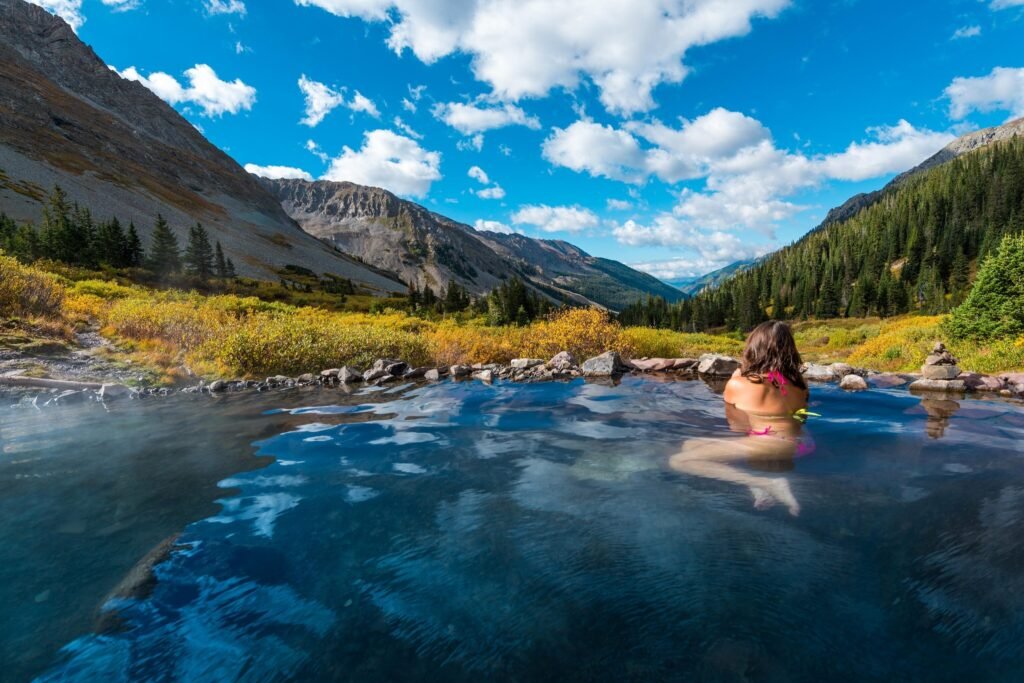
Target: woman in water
[762, 400]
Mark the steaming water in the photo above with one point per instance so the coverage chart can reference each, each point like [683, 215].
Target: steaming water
[472, 532]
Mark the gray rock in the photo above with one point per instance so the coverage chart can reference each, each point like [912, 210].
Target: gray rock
[842, 369]
[607, 364]
[330, 373]
[484, 375]
[562, 359]
[819, 373]
[851, 382]
[373, 374]
[717, 365]
[978, 382]
[954, 385]
[414, 373]
[306, 378]
[347, 375]
[390, 365]
[525, 363]
[432, 375]
[458, 371]
[886, 380]
[217, 386]
[940, 371]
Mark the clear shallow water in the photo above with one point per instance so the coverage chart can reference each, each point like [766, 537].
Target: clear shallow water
[513, 532]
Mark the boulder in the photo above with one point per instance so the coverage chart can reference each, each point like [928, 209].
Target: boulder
[305, 378]
[684, 364]
[1014, 380]
[819, 373]
[955, 385]
[607, 364]
[217, 386]
[852, 382]
[484, 375]
[458, 371]
[525, 363]
[978, 382]
[842, 369]
[374, 374]
[330, 373]
[390, 366]
[654, 364]
[432, 375]
[716, 365]
[414, 373]
[562, 359]
[347, 375]
[940, 371]
[886, 380]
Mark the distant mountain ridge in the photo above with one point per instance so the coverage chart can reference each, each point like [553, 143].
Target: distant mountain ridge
[67, 119]
[696, 285]
[428, 249]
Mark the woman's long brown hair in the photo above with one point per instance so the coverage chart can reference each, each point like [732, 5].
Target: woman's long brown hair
[770, 348]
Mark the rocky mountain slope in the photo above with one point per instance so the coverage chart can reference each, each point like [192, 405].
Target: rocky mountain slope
[431, 250]
[66, 118]
[695, 285]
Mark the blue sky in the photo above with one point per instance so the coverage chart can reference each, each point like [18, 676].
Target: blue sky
[677, 136]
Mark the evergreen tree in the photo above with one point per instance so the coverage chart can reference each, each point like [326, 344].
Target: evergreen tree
[230, 271]
[110, 245]
[164, 253]
[199, 255]
[995, 307]
[133, 255]
[220, 264]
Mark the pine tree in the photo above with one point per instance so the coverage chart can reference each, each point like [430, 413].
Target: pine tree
[133, 254]
[110, 245]
[199, 257]
[164, 253]
[220, 263]
[230, 269]
[995, 307]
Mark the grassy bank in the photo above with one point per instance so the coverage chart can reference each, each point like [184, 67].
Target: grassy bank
[178, 333]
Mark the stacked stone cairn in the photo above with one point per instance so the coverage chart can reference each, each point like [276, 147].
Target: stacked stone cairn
[940, 372]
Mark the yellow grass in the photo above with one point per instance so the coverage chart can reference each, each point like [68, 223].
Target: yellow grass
[180, 334]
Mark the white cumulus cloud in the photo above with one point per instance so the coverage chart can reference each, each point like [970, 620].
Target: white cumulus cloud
[321, 99]
[555, 218]
[205, 89]
[493, 192]
[478, 174]
[389, 160]
[1004, 4]
[288, 172]
[224, 7]
[1001, 90]
[966, 32]
[470, 119]
[525, 48]
[122, 5]
[493, 226]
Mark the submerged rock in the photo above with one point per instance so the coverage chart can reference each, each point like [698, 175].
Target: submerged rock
[852, 382]
[886, 380]
[717, 365]
[607, 364]
[842, 369]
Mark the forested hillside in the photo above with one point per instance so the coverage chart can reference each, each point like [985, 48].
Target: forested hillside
[915, 250]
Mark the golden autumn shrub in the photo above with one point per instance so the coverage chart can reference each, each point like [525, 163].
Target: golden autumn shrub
[584, 332]
[451, 343]
[28, 291]
[902, 344]
[646, 342]
[309, 340]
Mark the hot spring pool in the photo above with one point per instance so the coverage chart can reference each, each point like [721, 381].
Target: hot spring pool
[468, 532]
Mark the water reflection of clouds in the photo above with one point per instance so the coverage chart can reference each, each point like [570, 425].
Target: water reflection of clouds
[263, 510]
